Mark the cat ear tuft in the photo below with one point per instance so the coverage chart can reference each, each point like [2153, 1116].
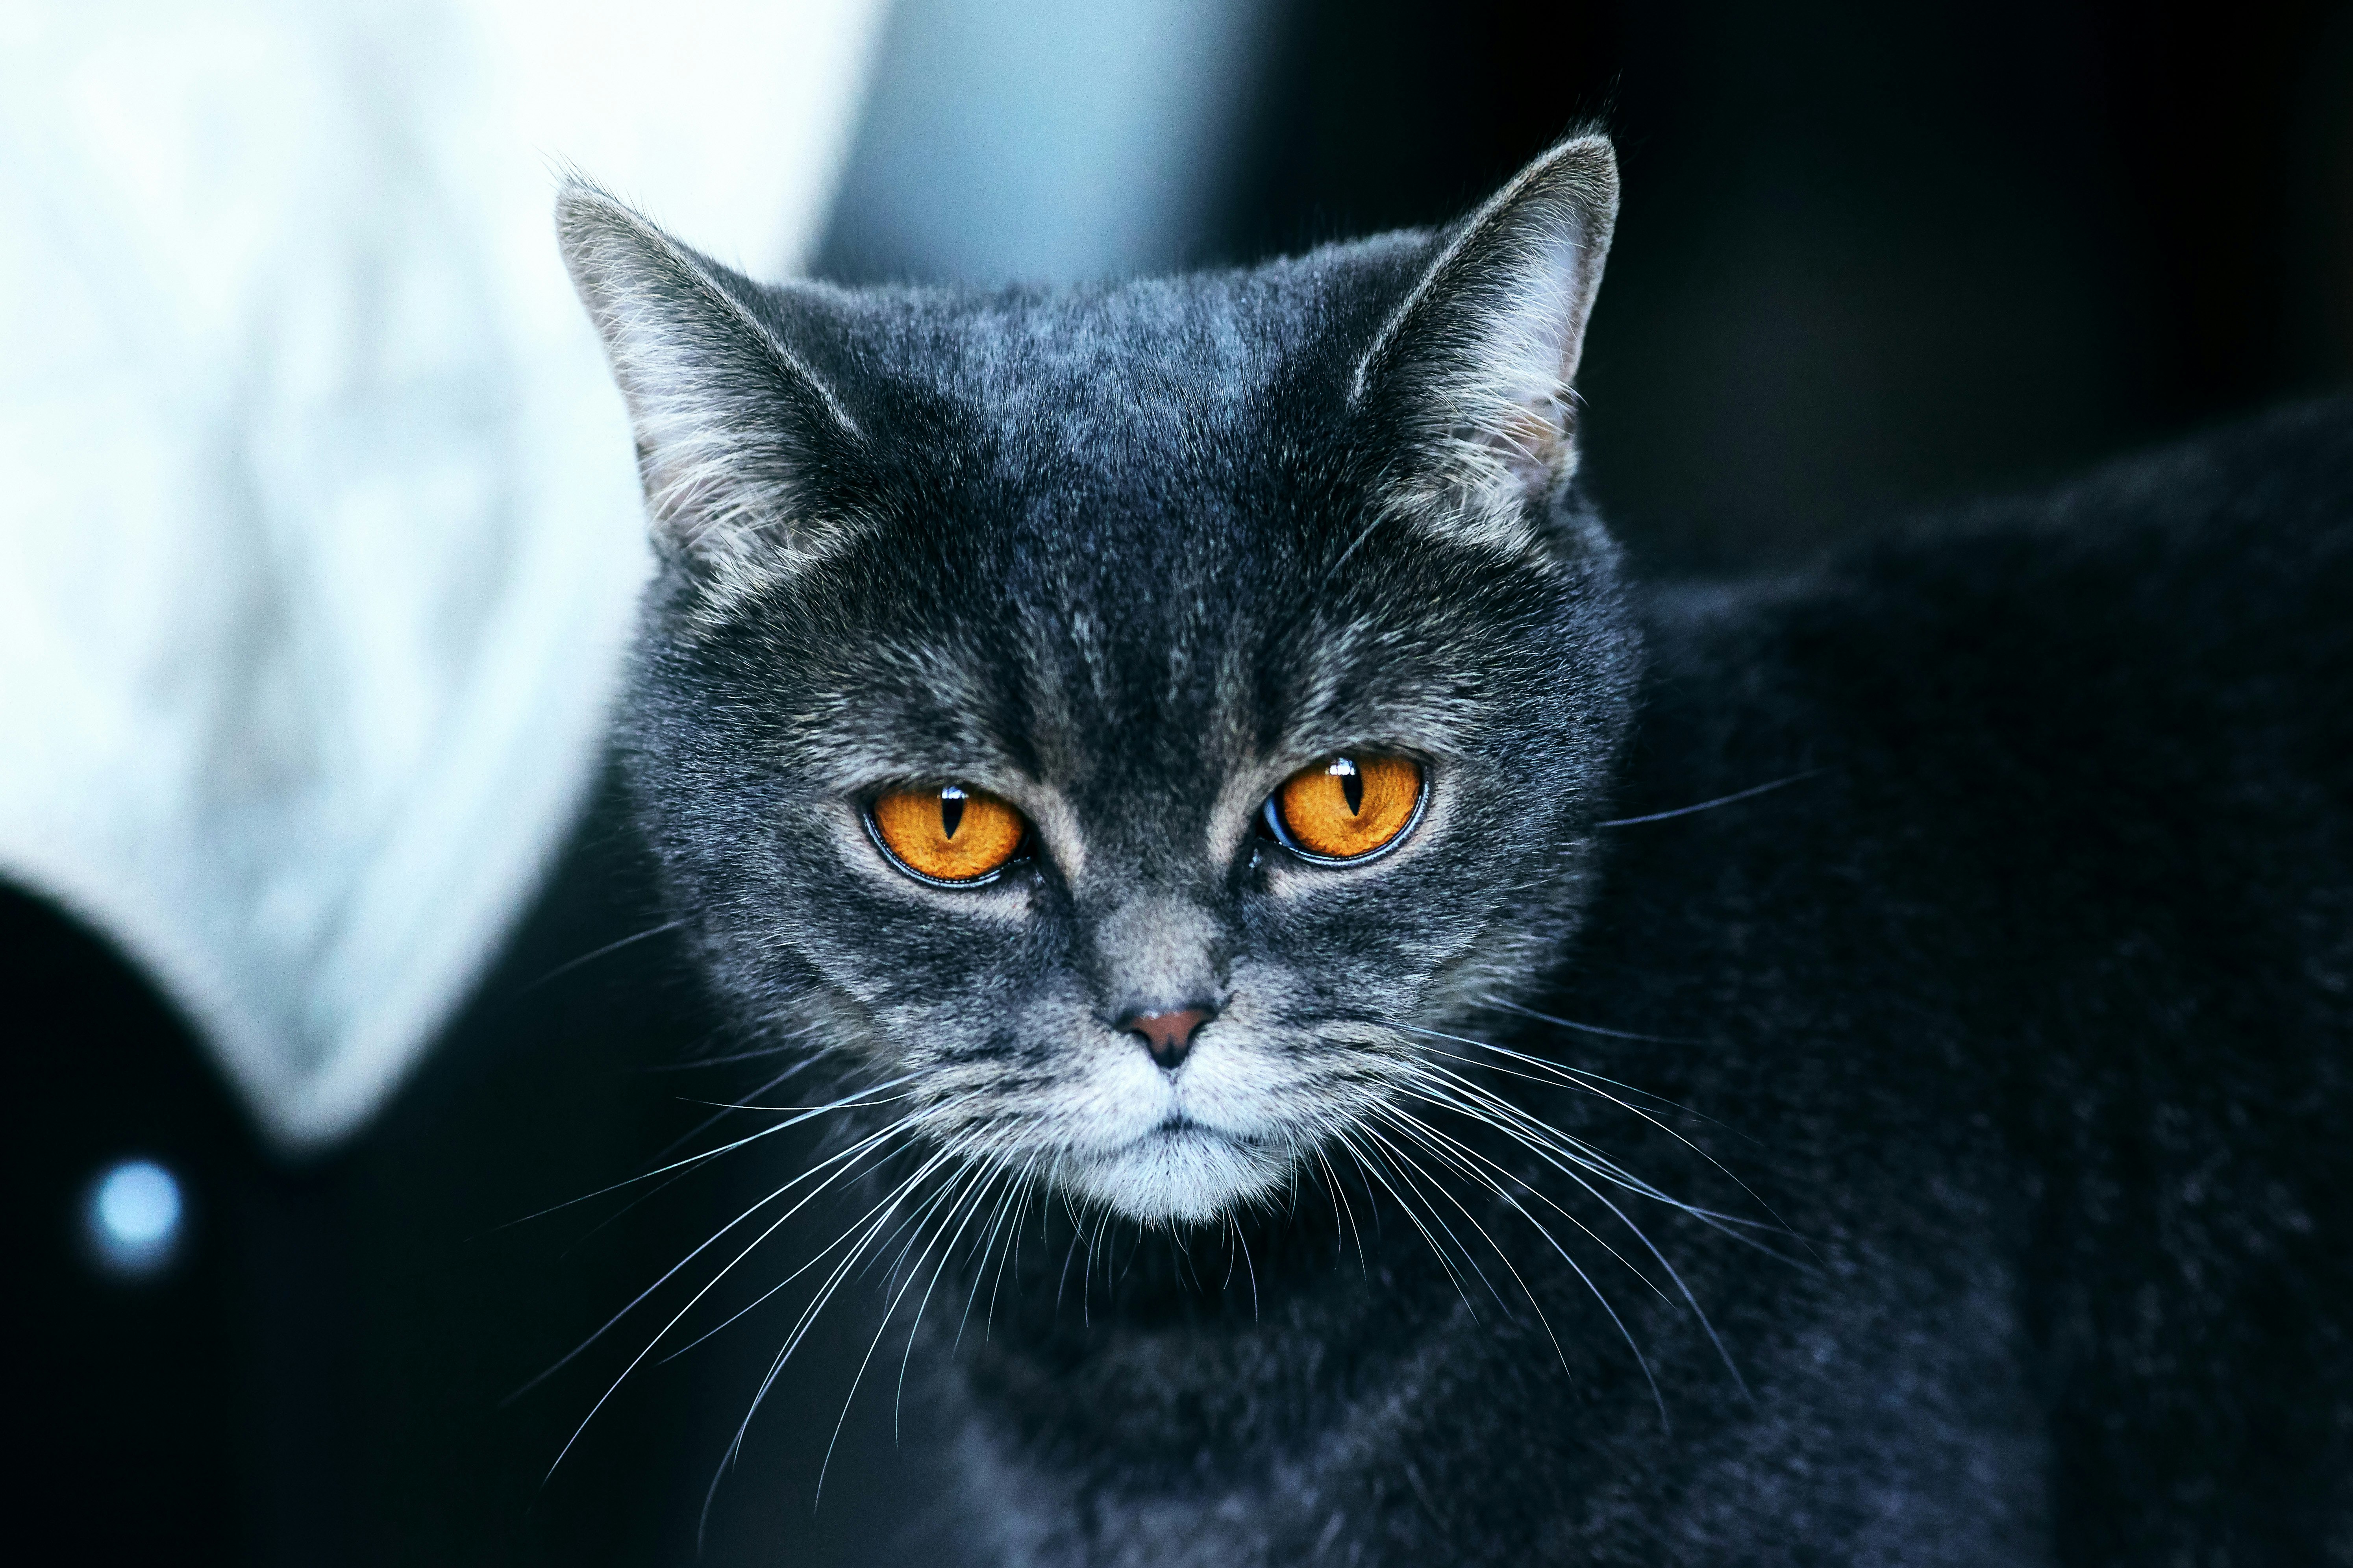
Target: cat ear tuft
[1470, 375]
[732, 428]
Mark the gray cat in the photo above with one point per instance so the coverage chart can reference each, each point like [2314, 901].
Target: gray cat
[1425, 1050]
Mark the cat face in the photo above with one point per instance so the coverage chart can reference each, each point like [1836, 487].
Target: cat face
[1118, 721]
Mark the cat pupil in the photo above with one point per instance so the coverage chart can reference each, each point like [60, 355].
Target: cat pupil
[951, 810]
[1352, 784]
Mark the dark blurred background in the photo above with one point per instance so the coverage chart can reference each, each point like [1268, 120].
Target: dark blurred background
[1872, 258]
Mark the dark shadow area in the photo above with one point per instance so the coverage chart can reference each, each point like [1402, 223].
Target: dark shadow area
[1870, 257]
[323, 1374]
[135, 1425]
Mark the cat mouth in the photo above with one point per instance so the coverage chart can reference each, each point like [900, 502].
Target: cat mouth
[1181, 1169]
[1177, 1132]
[1177, 1125]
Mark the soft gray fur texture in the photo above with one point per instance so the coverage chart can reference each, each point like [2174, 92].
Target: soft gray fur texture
[1076, 548]
[2013, 1229]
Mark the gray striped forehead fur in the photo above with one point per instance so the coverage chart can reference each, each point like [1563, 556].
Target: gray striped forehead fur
[1126, 557]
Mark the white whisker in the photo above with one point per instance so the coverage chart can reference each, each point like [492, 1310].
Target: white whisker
[1445, 1261]
[850, 1155]
[1527, 1130]
[1602, 1297]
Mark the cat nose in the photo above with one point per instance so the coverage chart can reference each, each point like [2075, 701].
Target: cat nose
[1168, 1035]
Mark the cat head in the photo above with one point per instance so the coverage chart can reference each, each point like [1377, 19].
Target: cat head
[1124, 720]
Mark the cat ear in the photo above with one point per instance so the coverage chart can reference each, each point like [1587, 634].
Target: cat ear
[1470, 376]
[733, 429]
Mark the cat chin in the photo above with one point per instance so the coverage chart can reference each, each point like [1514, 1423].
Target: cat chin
[1177, 1175]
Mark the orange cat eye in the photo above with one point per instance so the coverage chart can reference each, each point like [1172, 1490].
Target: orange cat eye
[948, 834]
[1346, 808]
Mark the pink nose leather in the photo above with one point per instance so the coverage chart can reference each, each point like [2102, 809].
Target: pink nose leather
[1167, 1036]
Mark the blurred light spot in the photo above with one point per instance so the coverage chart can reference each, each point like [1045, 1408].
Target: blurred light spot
[134, 1215]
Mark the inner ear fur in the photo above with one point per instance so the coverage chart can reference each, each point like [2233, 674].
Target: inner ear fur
[732, 428]
[1470, 375]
